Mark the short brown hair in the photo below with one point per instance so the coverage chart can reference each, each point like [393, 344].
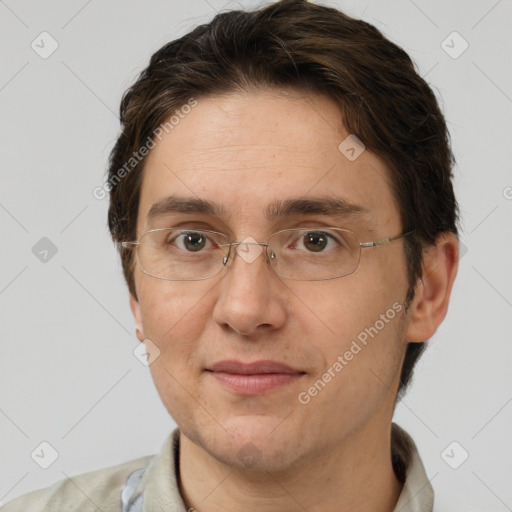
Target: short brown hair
[314, 49]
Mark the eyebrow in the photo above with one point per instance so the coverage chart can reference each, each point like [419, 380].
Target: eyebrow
[331, 206]
[328, 206]
[174, 204]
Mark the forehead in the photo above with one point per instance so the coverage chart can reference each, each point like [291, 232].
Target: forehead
[245, 151]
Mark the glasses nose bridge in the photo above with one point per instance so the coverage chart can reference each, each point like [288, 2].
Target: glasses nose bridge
[229, 258]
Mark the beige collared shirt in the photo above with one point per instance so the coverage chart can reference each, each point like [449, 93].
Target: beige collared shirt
[150, 484]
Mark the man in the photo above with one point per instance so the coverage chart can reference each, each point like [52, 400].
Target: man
[281, 198]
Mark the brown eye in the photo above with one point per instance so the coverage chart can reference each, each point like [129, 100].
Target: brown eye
[191, 241]
[315, 241]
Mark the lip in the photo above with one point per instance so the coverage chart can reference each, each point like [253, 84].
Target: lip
[254, 368]
[254, 378]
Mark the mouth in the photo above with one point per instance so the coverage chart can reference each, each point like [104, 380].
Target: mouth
[250, 379]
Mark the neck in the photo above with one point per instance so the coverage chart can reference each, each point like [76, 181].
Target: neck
[357, 475]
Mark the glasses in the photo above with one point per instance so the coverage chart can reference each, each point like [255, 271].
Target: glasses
[303, 254]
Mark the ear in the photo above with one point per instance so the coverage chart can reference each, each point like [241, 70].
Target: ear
[432, 294]
[135, 307]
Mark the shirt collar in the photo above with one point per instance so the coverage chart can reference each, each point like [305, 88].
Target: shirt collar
[417, 494]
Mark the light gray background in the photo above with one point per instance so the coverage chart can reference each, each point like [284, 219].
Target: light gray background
[67, 372]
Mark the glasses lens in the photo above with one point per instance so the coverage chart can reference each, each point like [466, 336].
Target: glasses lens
[314, 254]
[182, 254]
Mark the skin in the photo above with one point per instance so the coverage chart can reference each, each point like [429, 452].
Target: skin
[244, 151]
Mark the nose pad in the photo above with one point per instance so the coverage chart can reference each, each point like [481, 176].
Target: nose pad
[251, 251]
[271, 259]
[225, 259]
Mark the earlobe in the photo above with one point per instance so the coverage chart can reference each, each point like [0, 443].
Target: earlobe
[432, 294]
[135, 307]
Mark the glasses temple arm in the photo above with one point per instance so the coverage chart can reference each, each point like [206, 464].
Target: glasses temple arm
[385, 240]
[128, 245]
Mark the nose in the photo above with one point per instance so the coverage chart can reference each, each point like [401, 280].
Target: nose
[251, 294]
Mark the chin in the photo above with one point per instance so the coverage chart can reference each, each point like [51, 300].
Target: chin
[255, 443]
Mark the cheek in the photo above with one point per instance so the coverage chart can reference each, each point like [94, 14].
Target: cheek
[360, 375]
[363, 341]
[173, 316]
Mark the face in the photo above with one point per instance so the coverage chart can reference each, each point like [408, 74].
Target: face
[342, 339]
